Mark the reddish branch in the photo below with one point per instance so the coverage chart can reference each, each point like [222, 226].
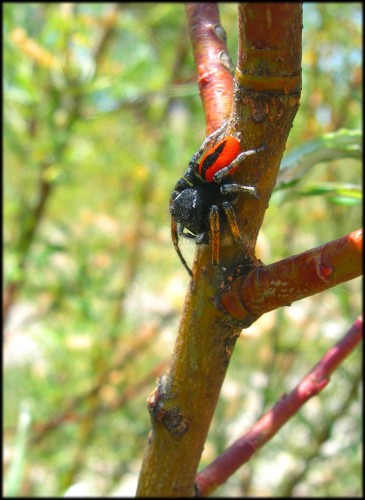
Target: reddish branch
[267, 288]
[242, 450]
[212, 62]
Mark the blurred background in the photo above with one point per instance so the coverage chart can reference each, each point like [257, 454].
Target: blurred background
[101, 116]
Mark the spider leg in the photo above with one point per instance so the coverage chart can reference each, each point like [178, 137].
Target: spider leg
[210, 139]
[175, 241]
[218, 176]
[239, 188]
[214, 227]
[232, 221]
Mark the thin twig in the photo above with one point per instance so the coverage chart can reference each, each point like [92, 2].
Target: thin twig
[242, 450]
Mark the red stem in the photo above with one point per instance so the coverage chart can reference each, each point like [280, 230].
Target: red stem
[212, 62]
[266, 288]
[242, 450]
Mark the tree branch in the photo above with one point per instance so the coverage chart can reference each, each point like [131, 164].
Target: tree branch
[266, 288]
[183, 404]
[260, 433]
[266, 98]
[212, 61]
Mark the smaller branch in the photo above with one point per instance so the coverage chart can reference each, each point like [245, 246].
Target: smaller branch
[212, 61]
[109, 24]
[320, 436]
[244, 448]
[265, 288]
[26, 238]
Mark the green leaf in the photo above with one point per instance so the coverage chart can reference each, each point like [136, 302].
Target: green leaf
[339, 193]
[328, 147]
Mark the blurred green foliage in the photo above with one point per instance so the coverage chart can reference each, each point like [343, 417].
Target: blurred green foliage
[101, 115]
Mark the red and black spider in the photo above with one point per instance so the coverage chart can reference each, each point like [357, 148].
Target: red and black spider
[206, 191]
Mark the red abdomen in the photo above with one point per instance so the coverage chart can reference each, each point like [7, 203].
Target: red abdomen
[218, 157]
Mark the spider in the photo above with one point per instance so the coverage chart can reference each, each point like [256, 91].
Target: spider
[206, 191]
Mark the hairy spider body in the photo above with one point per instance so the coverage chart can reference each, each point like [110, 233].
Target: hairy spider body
[206, 192]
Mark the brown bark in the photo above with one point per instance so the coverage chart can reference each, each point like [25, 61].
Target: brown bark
[184, 401]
